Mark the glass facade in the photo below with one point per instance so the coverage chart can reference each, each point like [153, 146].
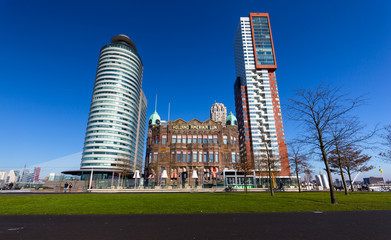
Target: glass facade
[263, 42]
[116, 124]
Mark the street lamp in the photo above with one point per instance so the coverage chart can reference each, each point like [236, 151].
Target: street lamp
[136, 176]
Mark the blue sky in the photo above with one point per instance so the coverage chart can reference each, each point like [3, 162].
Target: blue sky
[49, 52]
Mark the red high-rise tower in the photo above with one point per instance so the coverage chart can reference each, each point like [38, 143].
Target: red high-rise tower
[256, 94]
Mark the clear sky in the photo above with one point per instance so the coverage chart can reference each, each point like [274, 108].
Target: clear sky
[49, 53]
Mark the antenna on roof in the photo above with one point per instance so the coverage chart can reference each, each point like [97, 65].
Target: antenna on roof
[168, 112]
[155, 102]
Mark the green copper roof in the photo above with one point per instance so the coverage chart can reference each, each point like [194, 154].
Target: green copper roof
[231, 120]
[154, 119]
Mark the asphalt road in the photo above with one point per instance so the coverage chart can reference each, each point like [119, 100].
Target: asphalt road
[304, 225]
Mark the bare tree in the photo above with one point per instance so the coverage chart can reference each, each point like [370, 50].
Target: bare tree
[308, 175]
[259, 165]
[244, 166]
[347, 132]
[318, 110]
[266, 158]
[126, 168]
[386, 154]
[298, 161]
[350, 160]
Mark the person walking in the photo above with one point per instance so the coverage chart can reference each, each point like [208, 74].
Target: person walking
[281, 186]
[70, 187]
[65, 187]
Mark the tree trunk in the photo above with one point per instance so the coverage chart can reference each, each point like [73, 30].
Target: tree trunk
[269, 167]
[341, 171]
[260, 182]
[343, 179]
[326, 163]
[350, 179]
[297, 177]
[245, 182]
[271, 181]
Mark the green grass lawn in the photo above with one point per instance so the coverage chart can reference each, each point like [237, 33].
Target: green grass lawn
[188, 203]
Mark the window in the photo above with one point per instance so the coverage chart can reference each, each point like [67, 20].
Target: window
[225, 139]
[217, 157]
[194, 156]
[189, 139]
[205, 157]
[210, 139]
[232, 140]
[189, 157]
[179, 138]
[155, 155]
[194, 139]
[184, 157]
[199, 156]
[211, 157]
[205, 139]
[178, 156]
[184, 138]
[233, 158]
[172, 156]
[199, 139]
[173, 139]
[157, 140]
[215, 139]
[164, 139]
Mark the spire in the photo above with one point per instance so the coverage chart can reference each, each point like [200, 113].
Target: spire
[168, 111]
[156, 102]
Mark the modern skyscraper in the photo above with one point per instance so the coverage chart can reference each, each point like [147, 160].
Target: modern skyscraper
[218, 113]
[256, 93]
[37, 171]
[116, 125]
[3, 175]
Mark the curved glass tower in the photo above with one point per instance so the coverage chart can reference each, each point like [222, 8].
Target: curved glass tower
[116, 124]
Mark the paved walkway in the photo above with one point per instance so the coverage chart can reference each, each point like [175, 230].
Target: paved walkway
[305, 225]
[142, 190]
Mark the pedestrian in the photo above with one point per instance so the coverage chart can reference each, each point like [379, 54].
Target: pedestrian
[70, 187]
[65, 187]
[281, 185]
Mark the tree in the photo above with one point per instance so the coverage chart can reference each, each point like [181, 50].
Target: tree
[386, 154]
[350, 160]
[125, 167]
[259, 165]
[308, 175]
[347, 132]
[244, 166]
[298, 161]
[266, 158]
[318, 110]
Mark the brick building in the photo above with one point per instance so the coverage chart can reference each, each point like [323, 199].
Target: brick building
[193, 153]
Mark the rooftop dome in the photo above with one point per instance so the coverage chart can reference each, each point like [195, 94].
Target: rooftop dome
[231, 120]
[154, 119]
[123, 38]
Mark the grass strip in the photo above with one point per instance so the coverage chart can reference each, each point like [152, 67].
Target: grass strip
[167, 203]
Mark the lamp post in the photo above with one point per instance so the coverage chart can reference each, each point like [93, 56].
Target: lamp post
[136, 176]
[92, 173]
[195, 176]
[164, 176]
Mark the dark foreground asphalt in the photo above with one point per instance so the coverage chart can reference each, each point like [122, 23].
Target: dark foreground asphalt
[306, 225]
